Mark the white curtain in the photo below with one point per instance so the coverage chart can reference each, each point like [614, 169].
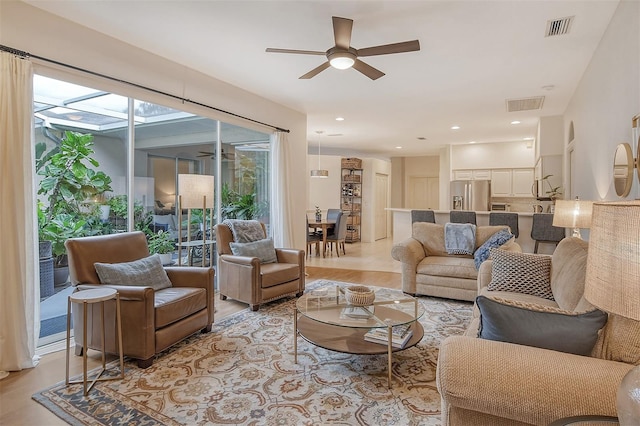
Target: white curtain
[19, 276]
[281, 203]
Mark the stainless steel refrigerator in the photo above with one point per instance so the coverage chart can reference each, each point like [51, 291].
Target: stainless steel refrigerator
[471, 195]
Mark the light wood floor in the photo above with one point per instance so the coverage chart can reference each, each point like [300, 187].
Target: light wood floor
[364, 263]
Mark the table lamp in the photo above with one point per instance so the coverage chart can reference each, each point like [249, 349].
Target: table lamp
[574, 214]
[613, 281]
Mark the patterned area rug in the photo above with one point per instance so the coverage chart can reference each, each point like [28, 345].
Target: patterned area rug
[242, 373]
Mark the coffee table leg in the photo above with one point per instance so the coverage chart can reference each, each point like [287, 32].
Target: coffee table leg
[389, 352]
[295, 335]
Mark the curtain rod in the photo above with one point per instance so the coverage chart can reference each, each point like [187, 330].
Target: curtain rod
[27, 55]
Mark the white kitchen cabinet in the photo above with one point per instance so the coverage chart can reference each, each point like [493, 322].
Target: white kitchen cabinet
[511, 182]
[501, 183]
[462, 174]
[522, 182]
[481, 174]
[484, 174]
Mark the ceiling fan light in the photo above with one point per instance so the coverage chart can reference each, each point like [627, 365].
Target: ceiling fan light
[342, 60]
[320, 174]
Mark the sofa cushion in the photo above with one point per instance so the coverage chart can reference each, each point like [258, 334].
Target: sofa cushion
[173, 304]
[279, 273]
[448, 266]
[431, 236]
[147, 271]
[540, 326]
[521, 273]
[619, 341]
[262, 249]
[568, 269]
[496, 240]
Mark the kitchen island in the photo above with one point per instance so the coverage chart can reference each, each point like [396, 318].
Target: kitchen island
[402, 227]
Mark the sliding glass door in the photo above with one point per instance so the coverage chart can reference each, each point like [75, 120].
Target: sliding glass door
[86, 170]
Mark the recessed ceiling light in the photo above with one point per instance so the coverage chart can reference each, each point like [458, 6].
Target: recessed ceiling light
[515, 122]
[455, 127]
[549, 87]
[339, 118]
[472, 141]
[398, 147]
[528, 139]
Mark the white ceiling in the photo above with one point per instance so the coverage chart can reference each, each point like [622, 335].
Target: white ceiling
[474, 56]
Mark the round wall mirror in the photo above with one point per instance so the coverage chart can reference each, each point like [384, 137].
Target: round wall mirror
[623, 169]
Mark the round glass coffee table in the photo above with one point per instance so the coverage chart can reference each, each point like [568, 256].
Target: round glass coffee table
[324, 318]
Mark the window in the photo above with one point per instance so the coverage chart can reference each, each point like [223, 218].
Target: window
[166, 142]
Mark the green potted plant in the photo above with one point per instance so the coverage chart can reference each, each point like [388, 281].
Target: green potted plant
[318, 214]
[69, 183]
[163, 244]
[554, 192]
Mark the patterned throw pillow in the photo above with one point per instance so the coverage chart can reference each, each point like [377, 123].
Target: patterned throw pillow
[539, 326]
[262, 249]
[494, 241]
[147, 271]
[521, 273]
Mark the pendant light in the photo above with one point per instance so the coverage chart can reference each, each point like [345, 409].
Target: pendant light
[319, 173]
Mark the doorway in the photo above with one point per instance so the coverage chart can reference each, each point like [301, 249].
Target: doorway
[381, 202]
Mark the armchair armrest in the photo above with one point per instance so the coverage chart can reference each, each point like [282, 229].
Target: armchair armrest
[524, 383]
[137, 312]
[289, 255]
[409, 252]
[240, 260]
[484, 274]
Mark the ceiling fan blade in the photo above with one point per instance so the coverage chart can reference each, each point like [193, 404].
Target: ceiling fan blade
[367, 70]
[405, 46]
[301, 52]
[315, 71]
[342, 32]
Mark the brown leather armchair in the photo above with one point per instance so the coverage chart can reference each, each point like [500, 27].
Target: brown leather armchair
[152, 321]
[245, 279]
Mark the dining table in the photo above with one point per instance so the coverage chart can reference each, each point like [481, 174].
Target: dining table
[323, 225]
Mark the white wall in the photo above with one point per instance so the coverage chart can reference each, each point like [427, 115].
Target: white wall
[40, 33]
[492, 156]
[550, 140]
[606, 99]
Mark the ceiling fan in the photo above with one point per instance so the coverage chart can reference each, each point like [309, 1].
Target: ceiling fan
[343, 56]
[225, 156]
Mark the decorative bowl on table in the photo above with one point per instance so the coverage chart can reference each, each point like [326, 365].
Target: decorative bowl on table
[359, 295]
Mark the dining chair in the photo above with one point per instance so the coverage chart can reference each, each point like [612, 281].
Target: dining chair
[339, 235]
[313, 238]
[462, 216]
[543, 231]
[509, 219]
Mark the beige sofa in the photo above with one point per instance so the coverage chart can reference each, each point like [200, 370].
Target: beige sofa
[428, 270]
[487, 382]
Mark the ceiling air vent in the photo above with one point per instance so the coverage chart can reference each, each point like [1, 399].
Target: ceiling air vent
[558, 26]
[525, 104]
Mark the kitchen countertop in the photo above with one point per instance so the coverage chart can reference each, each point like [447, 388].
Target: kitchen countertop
[393, 209]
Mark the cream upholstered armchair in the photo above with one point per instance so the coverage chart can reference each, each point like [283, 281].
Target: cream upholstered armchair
[154, 316]
[246, 277]
[531, 359]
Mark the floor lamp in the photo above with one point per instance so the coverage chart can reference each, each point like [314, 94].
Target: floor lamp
[195, 192]
[612, 282]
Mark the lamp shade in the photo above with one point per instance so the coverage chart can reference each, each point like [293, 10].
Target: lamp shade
[320, 173]
[612, 280]
[194, 190]
[572, 213]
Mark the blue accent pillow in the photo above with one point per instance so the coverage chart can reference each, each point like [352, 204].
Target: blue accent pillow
[539, 326]
[494, 241]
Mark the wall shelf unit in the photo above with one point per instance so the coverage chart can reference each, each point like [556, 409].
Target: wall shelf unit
[351, 196]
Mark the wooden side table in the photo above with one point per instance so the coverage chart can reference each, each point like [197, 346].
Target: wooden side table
[87, 297]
